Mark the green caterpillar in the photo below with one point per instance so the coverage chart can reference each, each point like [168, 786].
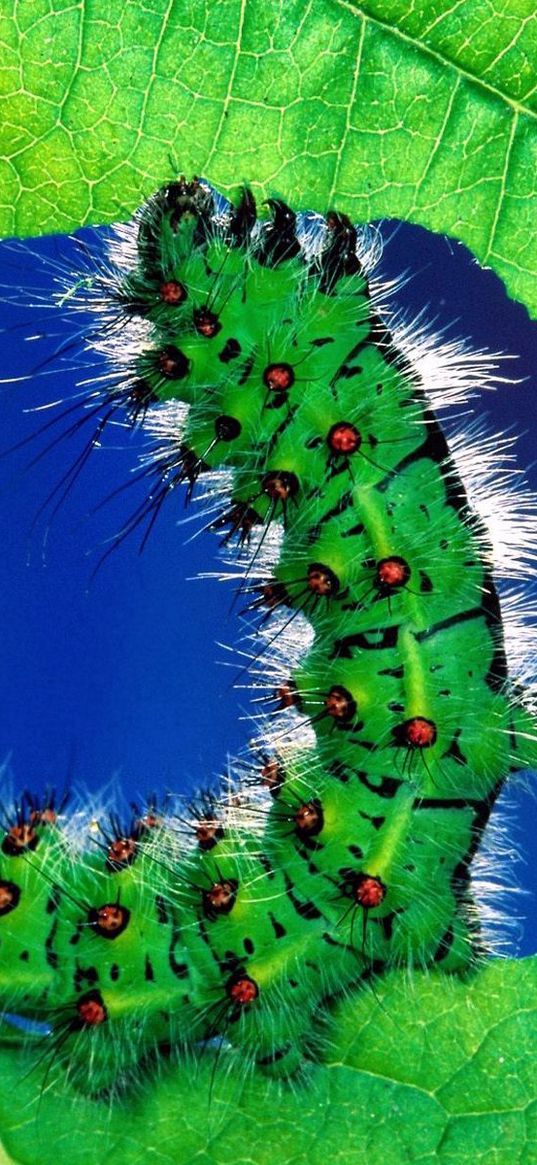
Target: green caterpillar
[347, 847]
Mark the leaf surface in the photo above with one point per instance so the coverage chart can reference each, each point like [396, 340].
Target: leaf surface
[420, 111]
[433, 1070]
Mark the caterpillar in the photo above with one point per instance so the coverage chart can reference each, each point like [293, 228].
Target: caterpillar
[256, 356]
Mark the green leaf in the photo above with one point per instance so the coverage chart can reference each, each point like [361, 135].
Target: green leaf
[431, 1070]
[422, 111]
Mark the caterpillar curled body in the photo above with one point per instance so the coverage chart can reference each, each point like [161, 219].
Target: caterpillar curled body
[261, 351]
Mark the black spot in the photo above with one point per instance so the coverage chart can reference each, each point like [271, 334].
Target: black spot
[347, 371]
[230, 351]
[114, 972]
[149, 973]
[248, 946]
[53, 901]
[246, 368]
[386, 923]
[353, 531]
[278, 928]
[83, 975]
[377, 822]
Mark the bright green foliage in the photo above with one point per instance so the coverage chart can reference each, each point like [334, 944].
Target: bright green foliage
[436, 1072]
[417, 111]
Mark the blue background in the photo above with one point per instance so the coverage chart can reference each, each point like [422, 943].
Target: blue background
[109, 680]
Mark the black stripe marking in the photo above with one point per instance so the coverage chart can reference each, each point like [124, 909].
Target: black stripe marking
[345, 502]
[388, 786]
[447, 803]
[247, 368]
[230, 351]
[50, 955]
[307, 910]
[444, 946]
[451, 621]
[377, 639]
[280, 429]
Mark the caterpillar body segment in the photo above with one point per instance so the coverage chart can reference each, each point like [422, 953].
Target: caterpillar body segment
[258, 348]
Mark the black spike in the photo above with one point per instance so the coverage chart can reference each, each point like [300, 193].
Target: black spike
[339, 255]
[278, 239]
[243, 219]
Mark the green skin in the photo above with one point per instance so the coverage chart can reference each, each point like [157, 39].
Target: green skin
[362, 860]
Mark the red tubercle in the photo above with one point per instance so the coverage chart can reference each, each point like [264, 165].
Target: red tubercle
[392, 573]
[121, 852]
[340, 703]
[369, 891]
[417, 732]
[91, 1010]
[278, 377]
[9, 896]
[280, 485]
[322, 580]
[20, 838]
[206, 322]
[344, 438]
[46, 816]
[109, 920]
[208, 833]
[220, 898]
[172, 292]
[242, 990]
[309, 819]
[172, 363]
